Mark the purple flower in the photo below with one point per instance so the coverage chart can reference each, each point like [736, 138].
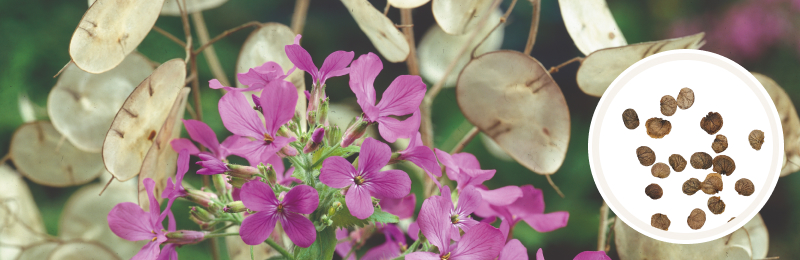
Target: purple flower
[128, 221]
[514, 250]
[403, 207]
[211, 165]
[335, 64]
[468, 200]
[316, 140]
[239, 118]
[268, 74]
[368, 180]
[481, 242]
[423, 157]
[201, 133]
[585, 255]
[401, 98]
[530, 208]
[258, 196]
[395, 240]
[344, 246]
[175, 190]
[465, 169]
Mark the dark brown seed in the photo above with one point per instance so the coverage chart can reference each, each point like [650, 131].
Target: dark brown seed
[668, 105]
[711, 123]
[677, 162]
[696, 219]
[716, 205]
[660, 221]
[646, 155]
[712, 184]
[724, 165]
[743, 187]
[630, 118]
[660, 170]
[685, 98]
[653, 191]
[691, 186]
[756, 139]
[701, 160]
[720, 144]
[657, 127]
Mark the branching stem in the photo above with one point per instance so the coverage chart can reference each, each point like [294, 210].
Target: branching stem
[279, 249]
[556, 68]
[465, 140]
[408, 30]
[170, 36]
[226, 33]
[552, 184]
[537, 6]
[209, 53]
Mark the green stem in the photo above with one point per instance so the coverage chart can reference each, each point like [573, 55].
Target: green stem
[279, 249]
[221, 235]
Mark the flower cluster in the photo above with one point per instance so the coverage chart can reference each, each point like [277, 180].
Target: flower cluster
[328, 195]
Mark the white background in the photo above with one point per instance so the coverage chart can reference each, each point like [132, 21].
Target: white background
[715, 89]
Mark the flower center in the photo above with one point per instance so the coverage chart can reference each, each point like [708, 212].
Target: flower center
[280, 207]
[359, 180]
[446, 256]
[454, 219]
[268, 139]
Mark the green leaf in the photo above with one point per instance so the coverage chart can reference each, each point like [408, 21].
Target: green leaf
[323, 247]
[324, 152]
[384, 217]
[343, 218]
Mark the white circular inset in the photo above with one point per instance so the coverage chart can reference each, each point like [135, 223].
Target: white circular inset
[719, 85]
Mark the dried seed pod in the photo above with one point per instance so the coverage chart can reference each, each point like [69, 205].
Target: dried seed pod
[701, 160]
[660, 170]
[653, 191]
[668, 105]
[712, 184]
[685, 98]
[723, 165]
[657, 127]
[630, 118]
[743, 187]
[720, 144]
[716, 205]
[646, 155]
[711, 123]
[756, 139]
[677, 162]
[660, 221]
[731, 219]
[696, 219]
[691, 186]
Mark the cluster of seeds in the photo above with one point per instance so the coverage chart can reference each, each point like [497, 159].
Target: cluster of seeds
[721, 165]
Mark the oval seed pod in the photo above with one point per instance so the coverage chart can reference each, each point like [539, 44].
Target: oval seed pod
[701, 160]
[744, 187]
[677, 162]
[646, 155]
[660, 170]
[712, 184]
[696, 219]
[716, 205]
[711, 123]
[685, 98]
[723, 165]
[756, 139]
[653, 191]
[691, 186]
[660, 221]
[668, 105]
[630, 118]
[720, 144]
[657, 127]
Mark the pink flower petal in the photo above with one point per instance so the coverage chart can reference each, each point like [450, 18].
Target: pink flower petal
[391, 128]
[300, 58]
[279, 105]
[592, 255]
[422, 256]
[335, 65]
[468, 200]
[532, 202]
[539, 255]
[359, 202]
[403, 96]
[148, 252]
[183, 164]
[474, 177]
[373, 156]
[547, 222]
[389, 184]
[403, 207]
[258, 196]
[413, 230]
[501, 196]
[363, 72]
[238, 117]
[450, 166]
[214, 84]
[201, 133]
[514, 250]
[299, 229]
[423, 157]
[168, 253]
[261, 76]
[466, 160]
[434, 222]
[481, 242]
[301, 199]
[230, 144]
[128, 221]
[337, 172]
[257, 227]
[155, 209]
[179, 144]
[387, 250]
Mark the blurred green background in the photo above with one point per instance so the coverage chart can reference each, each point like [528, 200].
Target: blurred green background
[760, 35]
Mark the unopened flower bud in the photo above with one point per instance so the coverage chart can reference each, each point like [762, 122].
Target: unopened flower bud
[315, 101]
[268, 171]
[202, 214]
[287, 151]
[331, 211]
[220, 184]
[257, 104]
[332, 135]
[316, 140]
[237, 182]
[354, 131]
[322, 112]
[235, 207]
[185, 237]
[337, 205]
[203, 225]
[242, 171]
[203, 198]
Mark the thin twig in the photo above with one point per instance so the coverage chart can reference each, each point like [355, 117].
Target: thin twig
[279, 249]
[464, 141]
[190, 78]
[225, 34]
[169, 36]
[601, 235]
[209, 53]
[537, 7]
[106, 187]
[299, 16]
[386, 10]
[503, 19]
[5, 158]
[552, 184]
[62, 69]
[408, 30]
[556, 68]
